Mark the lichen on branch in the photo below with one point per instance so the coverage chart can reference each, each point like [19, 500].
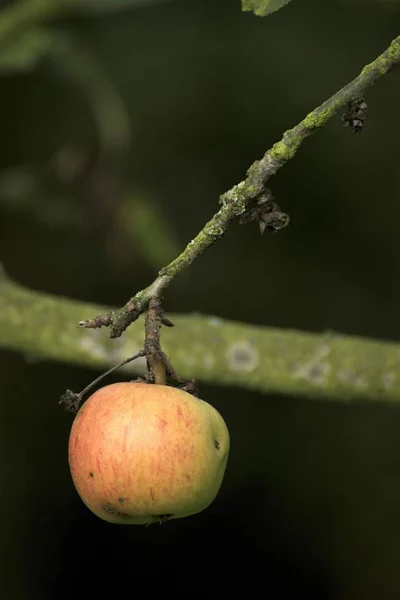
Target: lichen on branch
[242, 197]
[327, 366]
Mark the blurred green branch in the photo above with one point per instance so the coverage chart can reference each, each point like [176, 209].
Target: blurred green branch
[105, 6]
[27, 13]
[325, 366]
[24, 14]
[243, 197]
[73, 59]
[25, 41]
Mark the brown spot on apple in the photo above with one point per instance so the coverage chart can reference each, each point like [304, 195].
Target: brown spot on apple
[217, 444]
[109, 509]
[162, 424]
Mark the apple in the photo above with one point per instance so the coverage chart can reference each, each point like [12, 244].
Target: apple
[142, 453]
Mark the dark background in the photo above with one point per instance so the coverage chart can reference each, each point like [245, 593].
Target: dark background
[310, 505]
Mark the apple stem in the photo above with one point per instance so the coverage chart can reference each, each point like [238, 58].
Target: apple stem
[159, 366]
[118, 366]
[157, 362]
[72, 400]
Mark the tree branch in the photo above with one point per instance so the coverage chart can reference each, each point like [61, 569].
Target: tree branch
[325, 366]
[238, 200]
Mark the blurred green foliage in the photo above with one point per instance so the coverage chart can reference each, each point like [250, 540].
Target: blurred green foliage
[25, 54]
[101, 6]
[262, 8]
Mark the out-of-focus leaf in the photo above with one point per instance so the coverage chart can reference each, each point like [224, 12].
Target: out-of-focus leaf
[24, 52]
[74, 61]
[100, 6]
[262, 8]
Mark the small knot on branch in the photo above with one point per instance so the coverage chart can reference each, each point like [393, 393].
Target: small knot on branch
[71, 401]
[266, 212]
[355, 115]
[117, 320]
[104, 320]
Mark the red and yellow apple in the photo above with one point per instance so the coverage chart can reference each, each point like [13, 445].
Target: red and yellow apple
[141, 453]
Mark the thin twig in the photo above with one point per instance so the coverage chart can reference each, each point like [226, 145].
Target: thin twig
[72, 400]
[114, 368]
[237, 201]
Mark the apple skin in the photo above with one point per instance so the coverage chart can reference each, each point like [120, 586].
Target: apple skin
[142, 453]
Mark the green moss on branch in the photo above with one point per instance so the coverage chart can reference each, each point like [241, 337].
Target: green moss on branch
[325, 366]
[237, 200]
